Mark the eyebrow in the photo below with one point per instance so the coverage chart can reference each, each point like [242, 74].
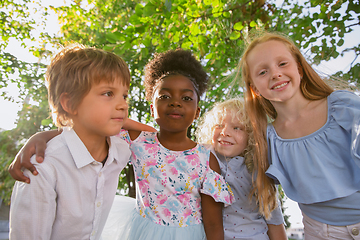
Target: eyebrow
[182, 90]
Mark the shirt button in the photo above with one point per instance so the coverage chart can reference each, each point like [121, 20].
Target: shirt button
[98, 204]
[355, 231]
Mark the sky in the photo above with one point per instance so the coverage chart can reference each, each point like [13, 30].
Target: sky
[8, 110]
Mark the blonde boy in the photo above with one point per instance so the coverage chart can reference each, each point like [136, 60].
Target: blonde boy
[74, 190]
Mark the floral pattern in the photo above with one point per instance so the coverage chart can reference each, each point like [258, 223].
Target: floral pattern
[169, 183]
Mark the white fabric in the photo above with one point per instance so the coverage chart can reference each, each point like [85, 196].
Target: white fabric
[119, 218]
[72, 195]
[315, 230]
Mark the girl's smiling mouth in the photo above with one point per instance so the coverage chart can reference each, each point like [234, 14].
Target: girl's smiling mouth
[280, 85]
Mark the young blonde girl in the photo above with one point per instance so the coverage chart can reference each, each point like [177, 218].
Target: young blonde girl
[311, 146]
[227, 128]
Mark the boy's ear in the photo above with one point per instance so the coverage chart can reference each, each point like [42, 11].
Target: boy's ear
[197, 114]
[65, 103]
[152, 110]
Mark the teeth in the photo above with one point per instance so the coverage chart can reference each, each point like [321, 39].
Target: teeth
[281, 85]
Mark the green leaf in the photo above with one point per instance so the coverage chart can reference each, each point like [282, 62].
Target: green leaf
[111, 37]
[226, 14]
[194, 29]
[238, 26]
[234, 35]
[207, 2]
[46, 122]
[149, 10]
[340, 42]
[252, 24]
[186, 45]
[139, 9]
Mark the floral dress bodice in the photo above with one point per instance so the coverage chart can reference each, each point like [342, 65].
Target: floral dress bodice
[169, 182]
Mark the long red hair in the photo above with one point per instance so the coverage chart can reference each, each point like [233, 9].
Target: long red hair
[260, 111]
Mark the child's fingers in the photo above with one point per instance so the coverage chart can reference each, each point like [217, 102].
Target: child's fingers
[15, 171]
[40, 152]
[24, 159]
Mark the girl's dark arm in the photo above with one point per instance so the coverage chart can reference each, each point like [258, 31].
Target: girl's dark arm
[212, 210]
[35, 145]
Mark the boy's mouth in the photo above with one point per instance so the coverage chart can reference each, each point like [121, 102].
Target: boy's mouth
[120, 119]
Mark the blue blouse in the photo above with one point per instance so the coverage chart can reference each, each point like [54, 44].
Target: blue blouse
[242, 219]
[321, 171]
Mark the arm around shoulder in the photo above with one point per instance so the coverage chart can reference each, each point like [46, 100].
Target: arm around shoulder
[35, 145]
[134, 128]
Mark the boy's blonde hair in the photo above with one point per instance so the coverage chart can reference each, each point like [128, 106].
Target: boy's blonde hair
[74, 70]
[260, 110]
[236, 108]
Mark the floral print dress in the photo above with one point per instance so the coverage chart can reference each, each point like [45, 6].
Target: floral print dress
[168, 188]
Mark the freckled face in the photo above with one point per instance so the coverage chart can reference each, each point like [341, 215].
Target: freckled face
[175, 104]
[274, 72]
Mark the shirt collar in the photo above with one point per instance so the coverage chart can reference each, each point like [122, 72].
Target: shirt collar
[79, 152]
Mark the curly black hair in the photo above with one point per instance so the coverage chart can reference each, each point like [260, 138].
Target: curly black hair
[177, 61]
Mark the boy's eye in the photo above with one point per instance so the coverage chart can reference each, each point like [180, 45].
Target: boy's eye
[108, 94]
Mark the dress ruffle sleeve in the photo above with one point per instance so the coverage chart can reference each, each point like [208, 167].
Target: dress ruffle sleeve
[215, 186]
[324, 165]
[346, 112]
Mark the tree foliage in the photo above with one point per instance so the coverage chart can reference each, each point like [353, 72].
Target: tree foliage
[216, 31]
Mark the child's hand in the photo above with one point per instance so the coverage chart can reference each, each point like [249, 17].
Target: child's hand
[35, 145]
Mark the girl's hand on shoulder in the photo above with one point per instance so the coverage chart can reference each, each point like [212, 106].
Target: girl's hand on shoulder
[35, 145]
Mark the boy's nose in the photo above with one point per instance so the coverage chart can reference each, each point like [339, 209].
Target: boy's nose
[122, 104]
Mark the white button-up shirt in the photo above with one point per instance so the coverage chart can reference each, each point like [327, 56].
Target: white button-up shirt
[71, 196]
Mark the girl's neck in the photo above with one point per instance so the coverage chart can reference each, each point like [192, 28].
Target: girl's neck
[301, 118]
[291, 110]
[177, 141]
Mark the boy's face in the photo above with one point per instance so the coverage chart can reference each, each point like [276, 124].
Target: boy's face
[229, 137]
[103, 110]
